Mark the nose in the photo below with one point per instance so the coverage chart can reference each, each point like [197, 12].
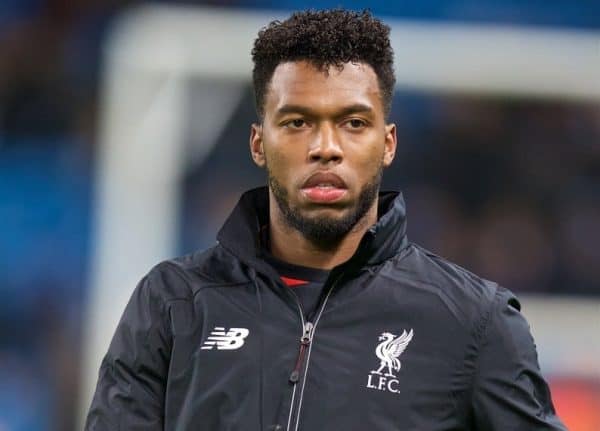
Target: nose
[326, 146]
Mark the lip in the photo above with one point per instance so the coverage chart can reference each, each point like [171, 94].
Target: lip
[324, 179]
[324, 187]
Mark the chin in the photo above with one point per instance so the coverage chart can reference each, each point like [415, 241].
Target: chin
[330, 213]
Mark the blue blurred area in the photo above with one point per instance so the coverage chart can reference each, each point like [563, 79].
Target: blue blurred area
[14, 10]
[49, 57]
[25, 405]
[44, 208]
[556, 13]
[45, 190]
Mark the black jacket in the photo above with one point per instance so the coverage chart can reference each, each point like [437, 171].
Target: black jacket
[402, 340]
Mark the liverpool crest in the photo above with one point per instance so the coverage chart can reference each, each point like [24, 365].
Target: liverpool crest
[388, 352]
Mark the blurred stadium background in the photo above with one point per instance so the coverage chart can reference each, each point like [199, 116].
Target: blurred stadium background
[123, 141]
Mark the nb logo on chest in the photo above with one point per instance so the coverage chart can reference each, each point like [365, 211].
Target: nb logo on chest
[225, 340]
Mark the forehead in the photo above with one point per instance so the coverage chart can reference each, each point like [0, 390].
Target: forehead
[301, 83]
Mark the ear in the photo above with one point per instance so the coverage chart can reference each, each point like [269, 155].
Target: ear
[390, 144]
[256, 145]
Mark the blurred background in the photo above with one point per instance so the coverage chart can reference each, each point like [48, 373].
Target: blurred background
[123, 141]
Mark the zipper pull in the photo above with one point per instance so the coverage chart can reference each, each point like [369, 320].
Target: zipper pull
[307, 335]
[304, 342]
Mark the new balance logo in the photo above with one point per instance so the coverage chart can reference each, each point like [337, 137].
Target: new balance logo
[225, 340]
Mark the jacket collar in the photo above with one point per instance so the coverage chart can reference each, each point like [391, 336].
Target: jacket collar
[241, 232]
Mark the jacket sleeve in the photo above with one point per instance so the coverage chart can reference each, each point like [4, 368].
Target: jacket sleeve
[131, 384]
[509, 390]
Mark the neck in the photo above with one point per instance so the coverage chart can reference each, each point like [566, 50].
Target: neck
[290, 245]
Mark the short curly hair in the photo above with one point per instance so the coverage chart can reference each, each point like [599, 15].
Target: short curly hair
[325, 38]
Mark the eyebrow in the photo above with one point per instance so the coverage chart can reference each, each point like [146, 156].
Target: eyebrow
[305, 110]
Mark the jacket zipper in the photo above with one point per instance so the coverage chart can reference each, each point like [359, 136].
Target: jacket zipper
[304, 341]
[308, 331]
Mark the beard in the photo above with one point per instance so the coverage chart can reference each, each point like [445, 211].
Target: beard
[325, 232]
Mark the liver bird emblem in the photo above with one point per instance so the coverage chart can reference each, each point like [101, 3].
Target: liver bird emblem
[388, 351]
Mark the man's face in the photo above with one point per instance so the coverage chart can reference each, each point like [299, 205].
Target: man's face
[324, 143]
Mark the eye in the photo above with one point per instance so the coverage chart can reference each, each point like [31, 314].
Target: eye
[356, 123]
[296, 123]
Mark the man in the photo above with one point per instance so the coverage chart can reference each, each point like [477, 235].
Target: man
[314, 312]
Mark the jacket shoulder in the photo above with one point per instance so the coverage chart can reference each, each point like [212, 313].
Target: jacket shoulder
[183, 276]
[469, 297]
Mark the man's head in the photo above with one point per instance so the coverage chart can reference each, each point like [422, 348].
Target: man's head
[323, 83]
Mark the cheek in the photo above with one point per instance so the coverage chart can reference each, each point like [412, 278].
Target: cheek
[279, 164]
[369, 156]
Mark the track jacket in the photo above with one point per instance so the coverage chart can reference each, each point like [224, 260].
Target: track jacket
[401, 340]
